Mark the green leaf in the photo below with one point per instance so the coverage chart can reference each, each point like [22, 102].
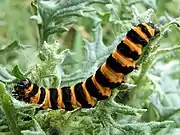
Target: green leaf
[38, 130]
[10, 47]
[145, 128]
[9, 111]
[104, 16]
[17, 73]
[53, 14]
[5, 76]
[93, 57]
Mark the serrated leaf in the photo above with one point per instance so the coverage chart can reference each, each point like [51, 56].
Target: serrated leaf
[141, 17]
[145, 128]
[52, 14]
[38, 130]
[17, 73]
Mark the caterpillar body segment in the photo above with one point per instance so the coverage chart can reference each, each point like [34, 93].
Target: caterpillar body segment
[98, 86]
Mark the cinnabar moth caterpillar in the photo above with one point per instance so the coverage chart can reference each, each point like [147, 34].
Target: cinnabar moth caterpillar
[98, 86]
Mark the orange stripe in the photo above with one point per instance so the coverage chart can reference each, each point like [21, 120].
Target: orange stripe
[47, 102]
[140, 33]
[151, 30]
[124, 61]
[110, 74]
[134, 47]
[59, 99]
[74, 102]
[103, 90]
[35, 99]
[90, 100]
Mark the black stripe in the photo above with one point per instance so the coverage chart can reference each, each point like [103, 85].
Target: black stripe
[135, 38]
[34, 90]
[66, 98]
[93, 91]
[80, 96]
[126, 51]
[117, 67]
[53, 97]
[103, 81]
[145, 30]
[42, 95]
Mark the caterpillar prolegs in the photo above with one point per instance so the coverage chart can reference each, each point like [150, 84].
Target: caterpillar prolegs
[98, 86]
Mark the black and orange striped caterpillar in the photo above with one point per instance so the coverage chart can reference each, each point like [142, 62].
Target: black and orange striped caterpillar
[98, 86]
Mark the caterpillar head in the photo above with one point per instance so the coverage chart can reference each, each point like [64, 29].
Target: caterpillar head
[21, 90]
[156, 29]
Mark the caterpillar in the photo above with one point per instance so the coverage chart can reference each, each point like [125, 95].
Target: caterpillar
[98, 86]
